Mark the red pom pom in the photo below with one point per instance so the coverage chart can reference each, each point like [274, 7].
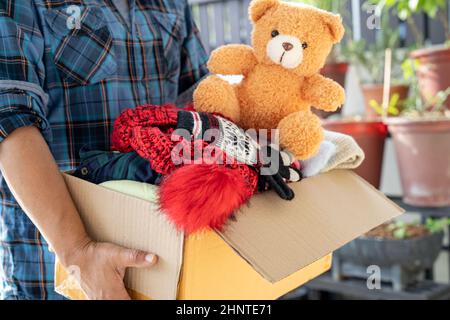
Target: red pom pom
[196, 197]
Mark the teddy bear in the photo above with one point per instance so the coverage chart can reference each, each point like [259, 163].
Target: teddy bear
[281, 79]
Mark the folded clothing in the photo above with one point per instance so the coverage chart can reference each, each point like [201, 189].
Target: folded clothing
[100, 166]
[337, 151]
[313, 166]
[139, 190]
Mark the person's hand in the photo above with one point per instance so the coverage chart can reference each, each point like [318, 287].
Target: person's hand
[102, 268]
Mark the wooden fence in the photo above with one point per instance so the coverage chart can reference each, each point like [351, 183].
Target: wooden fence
[226, 21]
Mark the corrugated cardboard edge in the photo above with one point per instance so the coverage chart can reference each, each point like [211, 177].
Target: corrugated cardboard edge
[260, 271]
[241, 234]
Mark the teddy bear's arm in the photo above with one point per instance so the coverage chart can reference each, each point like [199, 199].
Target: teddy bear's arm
[323, 93]
[232, 59]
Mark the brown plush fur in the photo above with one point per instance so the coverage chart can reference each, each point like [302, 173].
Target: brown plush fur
[271, 95]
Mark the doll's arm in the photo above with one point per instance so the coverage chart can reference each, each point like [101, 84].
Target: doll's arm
[232, 59]
[323, 93]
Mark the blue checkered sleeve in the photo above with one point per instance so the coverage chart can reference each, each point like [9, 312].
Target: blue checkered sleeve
[22, 99]
[72, 81]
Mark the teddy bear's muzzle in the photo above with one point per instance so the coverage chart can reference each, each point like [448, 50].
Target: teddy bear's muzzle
[285, 50]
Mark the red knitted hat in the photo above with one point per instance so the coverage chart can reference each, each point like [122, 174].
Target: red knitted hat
[194, 196]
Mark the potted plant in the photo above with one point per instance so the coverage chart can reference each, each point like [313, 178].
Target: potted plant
[421, 137]
[368, 60]
[435, 60]
[336, 67]
[401, 250]
[370, 136]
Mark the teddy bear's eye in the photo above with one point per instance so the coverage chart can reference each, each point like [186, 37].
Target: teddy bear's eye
[304, 45]
[275, 33]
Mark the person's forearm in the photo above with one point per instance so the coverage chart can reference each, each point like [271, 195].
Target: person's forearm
[34, 178]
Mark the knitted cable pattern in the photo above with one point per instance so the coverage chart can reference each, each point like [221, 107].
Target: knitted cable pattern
[155, 146]
[163, 117]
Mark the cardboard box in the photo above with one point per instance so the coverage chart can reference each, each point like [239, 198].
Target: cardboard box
[272, 247]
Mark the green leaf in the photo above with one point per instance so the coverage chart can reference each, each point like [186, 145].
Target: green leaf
[400, 233]
[394, 100]
[376, 107]
[436, 225]
[409, 67]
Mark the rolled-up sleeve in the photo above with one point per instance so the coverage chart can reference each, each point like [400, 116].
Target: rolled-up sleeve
[23, 101]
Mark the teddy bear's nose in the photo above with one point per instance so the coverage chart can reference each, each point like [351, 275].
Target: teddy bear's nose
[287, 46]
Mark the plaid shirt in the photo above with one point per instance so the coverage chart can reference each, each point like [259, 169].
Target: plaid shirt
[71, 75]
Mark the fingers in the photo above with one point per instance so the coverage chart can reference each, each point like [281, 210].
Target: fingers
[281, 188]
[135, 258]
[288, 171]
[119, 293]
[287, 158]
[294, 175]
[287, 191]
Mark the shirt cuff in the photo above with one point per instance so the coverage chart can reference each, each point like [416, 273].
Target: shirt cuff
[20, 110]
[11, 123]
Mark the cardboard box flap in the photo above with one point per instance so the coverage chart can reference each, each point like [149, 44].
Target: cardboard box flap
[279, 237]
[111, 216]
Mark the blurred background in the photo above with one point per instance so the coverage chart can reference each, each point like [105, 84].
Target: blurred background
[394, 63]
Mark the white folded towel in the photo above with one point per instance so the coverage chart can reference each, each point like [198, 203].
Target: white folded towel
[337, 151]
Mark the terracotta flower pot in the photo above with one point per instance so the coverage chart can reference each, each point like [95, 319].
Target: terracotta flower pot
[375, 92]
[371, 136]
[433, 71]
[337, 72]
[423, 156]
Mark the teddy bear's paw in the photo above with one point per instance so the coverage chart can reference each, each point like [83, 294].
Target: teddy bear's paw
[336, 98]
[216, 95]
[301, 133]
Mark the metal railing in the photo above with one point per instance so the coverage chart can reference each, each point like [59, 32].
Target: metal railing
[222, 21]
[226, 21]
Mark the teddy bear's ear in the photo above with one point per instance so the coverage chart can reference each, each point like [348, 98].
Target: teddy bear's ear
[258, 8]
[334, 23]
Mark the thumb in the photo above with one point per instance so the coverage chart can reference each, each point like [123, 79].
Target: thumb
[136, 258]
